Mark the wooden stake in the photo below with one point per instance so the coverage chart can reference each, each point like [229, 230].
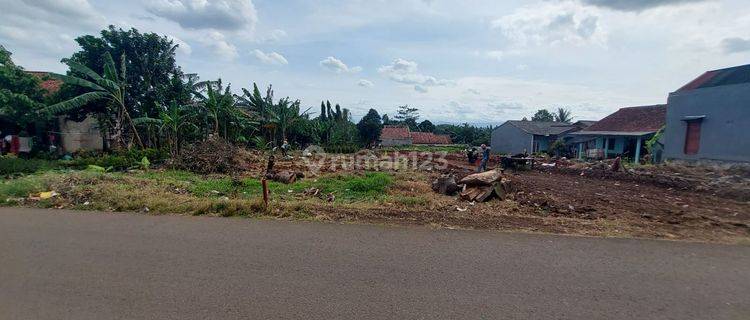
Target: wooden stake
[264, 182]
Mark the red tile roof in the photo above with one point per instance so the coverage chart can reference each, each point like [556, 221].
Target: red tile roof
[632, 119]
[395, 132]
[430, 138]
[51, 85]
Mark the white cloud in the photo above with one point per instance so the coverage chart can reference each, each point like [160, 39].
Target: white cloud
[274, 36]
[220, 46]
[405, 71]
[69, 10]
[553, 23]
[270, 58]
[207, 14]
[338, 66]
[365, 83]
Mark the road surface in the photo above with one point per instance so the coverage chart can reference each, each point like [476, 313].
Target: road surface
[75, 265]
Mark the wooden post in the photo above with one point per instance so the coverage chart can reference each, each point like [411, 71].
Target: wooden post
[264, 182]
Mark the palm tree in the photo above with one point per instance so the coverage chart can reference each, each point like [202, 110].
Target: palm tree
[563, 115]
[109, 87]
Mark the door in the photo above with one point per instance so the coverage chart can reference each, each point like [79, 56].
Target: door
[693, 137]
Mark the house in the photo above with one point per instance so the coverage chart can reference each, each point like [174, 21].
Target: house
[430, 138]
[622, 133]
[517, 136]
[708, 118]
[402, 136]
[73, 135]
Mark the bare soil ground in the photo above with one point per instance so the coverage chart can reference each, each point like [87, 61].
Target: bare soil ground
[670, 202]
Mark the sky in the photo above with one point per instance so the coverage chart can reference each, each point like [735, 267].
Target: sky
[476, 61]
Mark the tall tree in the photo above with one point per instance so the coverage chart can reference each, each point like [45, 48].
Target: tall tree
[20, 94]
[369, 127]
[386, 120]
[426, 126]
[543, 115]
[108, 88]
[323, 114]
[563, 115]
[153, 77]
[405, 113]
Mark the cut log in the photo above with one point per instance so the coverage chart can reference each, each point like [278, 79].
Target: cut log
[504, 189]
[484, 178]
[470, 193]
[485, 194]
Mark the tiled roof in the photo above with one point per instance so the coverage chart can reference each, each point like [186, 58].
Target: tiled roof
[430, 138]
[632, 119]
[51, 85]
[395, 132]
[543, 128]
[721, 77]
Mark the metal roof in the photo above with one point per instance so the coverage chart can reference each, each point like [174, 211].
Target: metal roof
[543, 128]
[721, 77]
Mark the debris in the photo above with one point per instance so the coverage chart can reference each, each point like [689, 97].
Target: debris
[330, 197]
[445, 184]
[616, 165]
[286, 177]
[461, 209]
[485, 178]
[213, 155]
[483, 186]
[43, 195]
[311, 192]
[550, 165]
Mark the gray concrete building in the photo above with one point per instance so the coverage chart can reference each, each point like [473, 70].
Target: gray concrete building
[517, 136]
[709, 118]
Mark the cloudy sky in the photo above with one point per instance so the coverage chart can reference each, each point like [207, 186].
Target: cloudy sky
[478, 61]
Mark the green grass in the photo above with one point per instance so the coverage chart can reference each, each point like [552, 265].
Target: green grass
[369, 186]
[23, 186]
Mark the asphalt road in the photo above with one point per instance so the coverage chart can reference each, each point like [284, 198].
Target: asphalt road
[73, 265]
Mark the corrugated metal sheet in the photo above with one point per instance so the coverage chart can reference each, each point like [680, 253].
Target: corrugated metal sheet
[721, 77]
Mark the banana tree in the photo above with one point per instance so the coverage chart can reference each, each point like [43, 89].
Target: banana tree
[109, 87]
[175, 125]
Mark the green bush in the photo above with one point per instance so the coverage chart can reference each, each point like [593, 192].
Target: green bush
[12, 165]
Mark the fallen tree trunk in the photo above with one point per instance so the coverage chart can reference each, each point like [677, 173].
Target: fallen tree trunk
[486, 178]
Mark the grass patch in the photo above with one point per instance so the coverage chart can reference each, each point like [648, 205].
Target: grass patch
[23, 186]
[410, 201]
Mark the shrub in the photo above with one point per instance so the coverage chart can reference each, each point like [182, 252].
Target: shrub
[12, 165]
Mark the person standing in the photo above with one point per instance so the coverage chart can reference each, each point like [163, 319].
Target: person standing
[485, 158]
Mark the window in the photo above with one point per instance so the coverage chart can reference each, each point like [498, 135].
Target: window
[692, 137]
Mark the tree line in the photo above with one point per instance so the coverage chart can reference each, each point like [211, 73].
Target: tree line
[131, 83]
